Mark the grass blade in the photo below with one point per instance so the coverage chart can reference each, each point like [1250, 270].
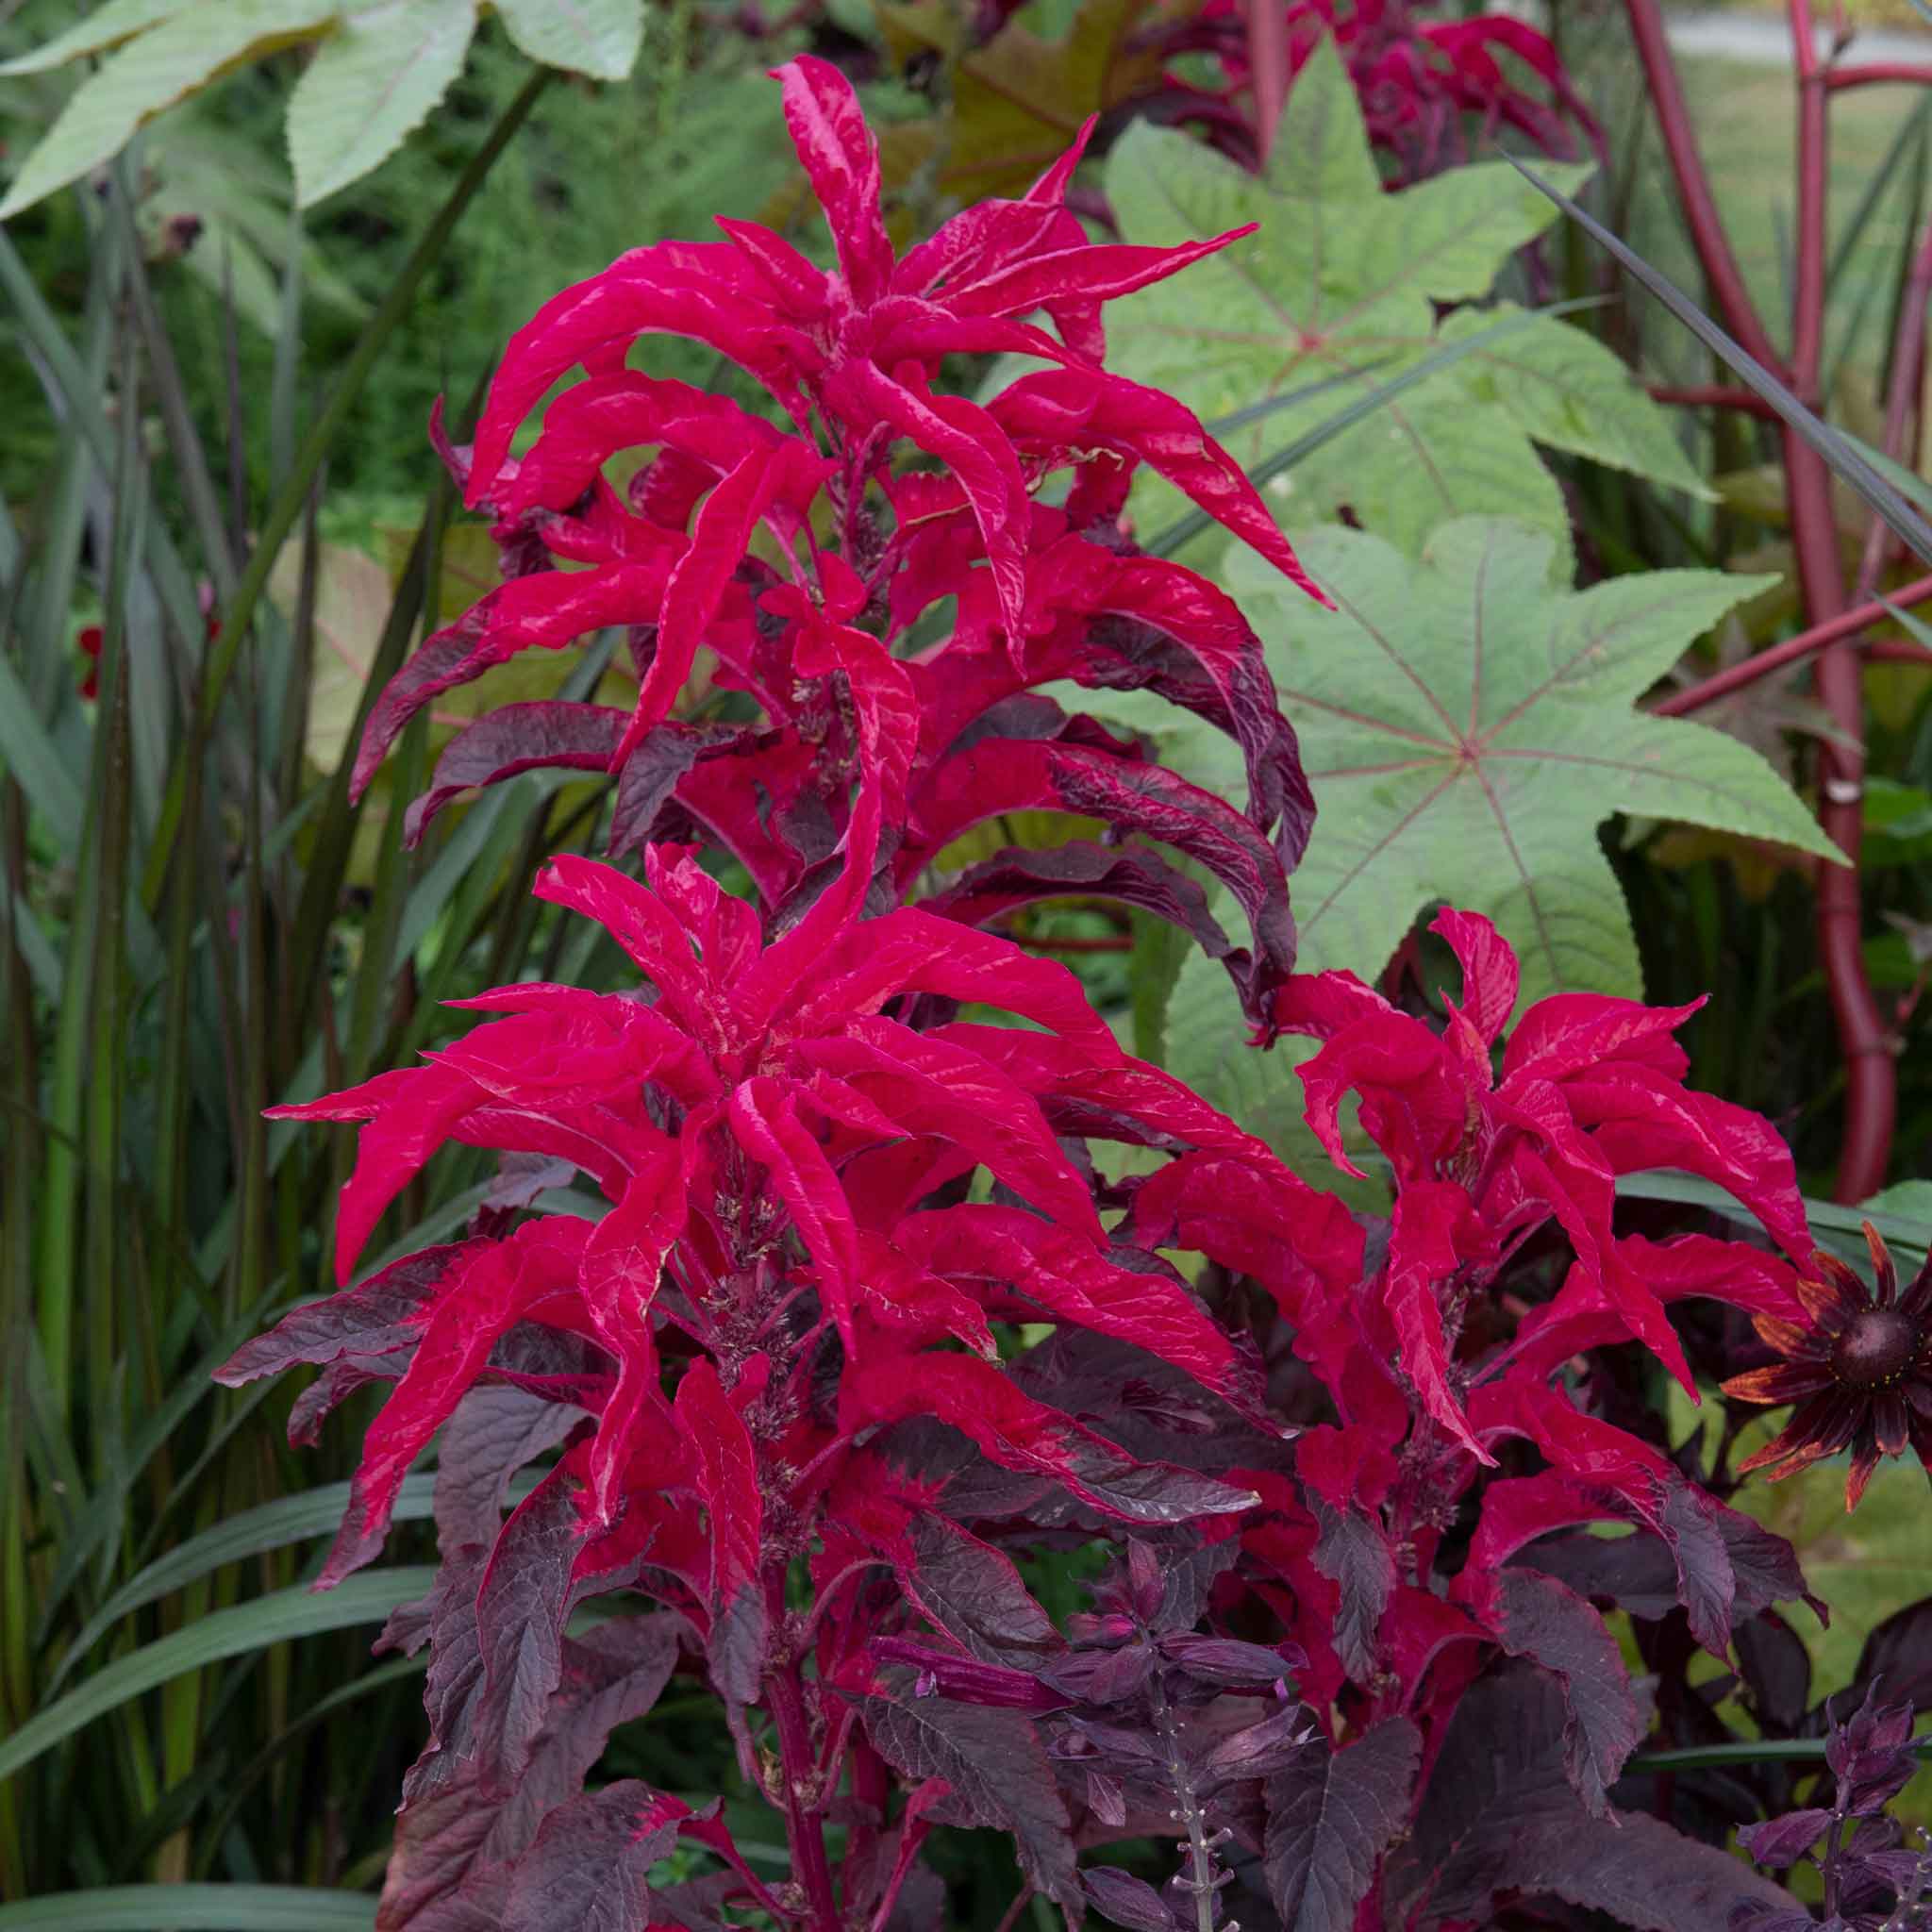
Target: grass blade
[1837, 450]
[255, 1626]
[193, 1908]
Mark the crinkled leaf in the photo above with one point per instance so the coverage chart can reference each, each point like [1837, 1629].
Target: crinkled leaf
[1353, 1553]
[1331, 1816]
[1498, 1813]
[1554, 1628]
[590, 1867]
[996, 1767]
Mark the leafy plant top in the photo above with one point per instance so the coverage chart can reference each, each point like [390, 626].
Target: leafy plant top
[1344, 286]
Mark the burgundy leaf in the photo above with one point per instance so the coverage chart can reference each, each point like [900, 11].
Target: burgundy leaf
[543, 613]
[1332, 1815]
[1125, 1900]
[997, 1771]
[1559, 1632]
[590, 1867]
[514, 738]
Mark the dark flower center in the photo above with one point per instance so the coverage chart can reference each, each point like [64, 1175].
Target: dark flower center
[1877, 1349]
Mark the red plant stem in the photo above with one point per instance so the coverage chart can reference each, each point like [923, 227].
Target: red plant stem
[1121, 943]
[1712, 395]
[1268, 65]
[1875, 72]
[1871, 1097]
[1721, 684]
[1871, 1079]
[804, 1826]
[1693, 184]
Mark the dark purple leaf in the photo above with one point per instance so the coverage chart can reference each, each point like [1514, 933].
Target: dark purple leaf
[497, 1429]
[1331, 1816]
[379, 1316]
[1260, 1750]
[1549, 1624]
[649, 776]
[1126, 1900]
[1498, 1814]
[1706, 1583]
[1780, 1843]
[1354, 1554]
[973, 1592]
[1128, 873]
[996, 1767]
[1776, 1670]
[1898, 1653]
[1226, 1662]
[513, 739]
[520, 1607]
[590, 1867]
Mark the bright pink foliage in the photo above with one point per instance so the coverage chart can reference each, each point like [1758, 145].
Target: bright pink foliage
[772, 1221]
[816, 571]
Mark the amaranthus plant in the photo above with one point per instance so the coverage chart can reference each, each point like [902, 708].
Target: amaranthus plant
[867, 1311]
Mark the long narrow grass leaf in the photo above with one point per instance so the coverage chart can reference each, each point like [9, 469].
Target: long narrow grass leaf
[255, 1626]
[1837, 450]
[193, 1908]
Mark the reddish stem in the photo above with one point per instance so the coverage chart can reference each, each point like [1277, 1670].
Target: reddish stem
[798, 1767]
[1871, 1096]
[1268, 65]
[1119, 943]
[1706, 226]
[1712, 395]
[1871, 1079]
[1875, 73]
[1721, 684]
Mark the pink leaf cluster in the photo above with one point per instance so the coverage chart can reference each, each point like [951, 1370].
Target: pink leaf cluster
[821, 1303]
[879, 547]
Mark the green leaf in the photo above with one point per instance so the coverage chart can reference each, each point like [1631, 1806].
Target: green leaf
[600, 37]
[1342, 275]
[258, 1625]
[193, 1908]
[168, 62]
[1902, 1214]
[106, 26]
[1467, 723]
[369, 85]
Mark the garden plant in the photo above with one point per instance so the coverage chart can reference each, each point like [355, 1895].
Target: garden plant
[930, 1011]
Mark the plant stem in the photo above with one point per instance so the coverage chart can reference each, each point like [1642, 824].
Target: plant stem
[1872, 73]
[1267, 69]
[1699, 204]
[1721, 684]
[1871, 1079]
[1712, 395]
[804, 1828]
[1200, 1856]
